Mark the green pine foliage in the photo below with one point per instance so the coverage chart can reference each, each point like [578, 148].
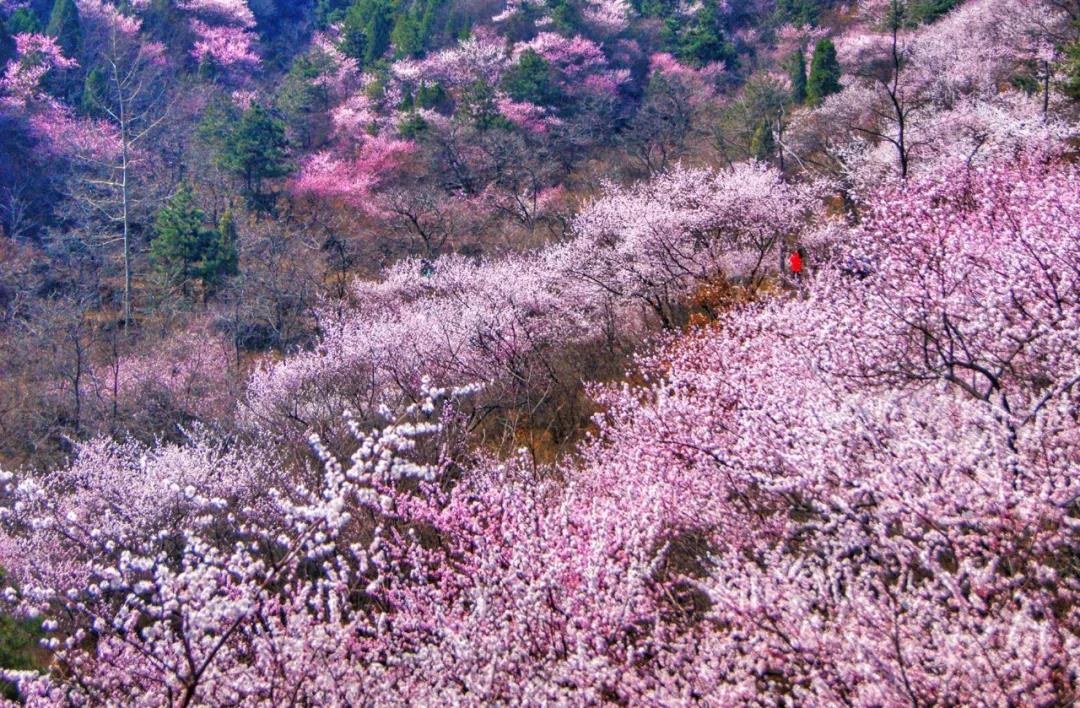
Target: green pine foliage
[366, 29]
[926, 11]
[1070, 84]
[763, 144]
[95, 89]
[477, 107]
[413, 126]
[531, 80]
[302, 99]
[19, 648]
[745, 128]
[432, 96]
[257, 149]
[184, 250]
[565, 16]
[706, 41]
[824, 79]
[797, 74]
[7, 44]
[799, 12]
[414, 28]
[64, 24]
[24, 21]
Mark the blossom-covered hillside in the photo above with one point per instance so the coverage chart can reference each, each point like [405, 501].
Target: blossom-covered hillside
[447, 352]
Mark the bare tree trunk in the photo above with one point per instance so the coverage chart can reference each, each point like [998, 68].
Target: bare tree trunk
[1046, 91]
[124, 197]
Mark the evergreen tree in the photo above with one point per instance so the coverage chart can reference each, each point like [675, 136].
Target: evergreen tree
[302, 98]
[431, 96]
[218, 122]
[705, 41]
[530, 80]
[7, 45]
[413, 28]
[926, 11]
[185, 250]
[366, 29]
[799, 12]
[797, 72]
[19, 638]
[329, 12]
[824, 77]
[1071, 83]
[257, 149]
[477, 106]
[24, 21]
[412, 126]
[379, 28]
[65, 26]
[94, 91]
[565, 16]
[354, 41]
[223, 259]
[763, 144]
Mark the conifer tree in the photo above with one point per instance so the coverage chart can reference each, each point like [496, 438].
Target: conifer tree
[379, 27]
[1071, 83]
[366, 30]
[257, 149]
[477, 106]
[530, 80]
[354, 41]
[431, 95]
[24, 21]
[797, 72]
[185, 250]
[763, 144]
[7, 44]
[705, 42]
[65, 26]
[824, 77]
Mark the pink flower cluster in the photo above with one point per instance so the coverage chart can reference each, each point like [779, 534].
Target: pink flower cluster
[50, 120]
[579, 62]
[353, 180]
[224, 32]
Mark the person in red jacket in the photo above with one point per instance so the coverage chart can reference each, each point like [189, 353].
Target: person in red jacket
[796, 264]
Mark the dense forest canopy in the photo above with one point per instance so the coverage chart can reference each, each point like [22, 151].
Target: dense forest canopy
[539, 351]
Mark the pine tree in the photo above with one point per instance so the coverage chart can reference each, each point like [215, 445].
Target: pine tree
[93, 93]
[184, 250]
[302, 98]
[222, 259]
[379, 27]
[65, 26]
[800, 12]
[7, 44]
[824, 77]
[797, 72]
[366, 29]
[407, 36]
[257, 149]
[432, 96]
[24, 21]
[763, 144]
[1070, 84]
[530, 80]
[477, 106]
[704, 42]
[354, 42]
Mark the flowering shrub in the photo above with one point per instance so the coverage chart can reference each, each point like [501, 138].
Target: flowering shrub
[460, 322]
